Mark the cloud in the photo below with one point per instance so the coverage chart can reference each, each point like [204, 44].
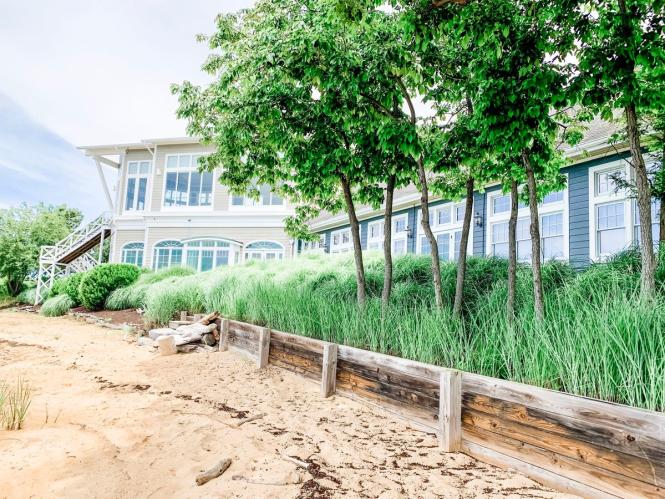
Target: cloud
[38, 165]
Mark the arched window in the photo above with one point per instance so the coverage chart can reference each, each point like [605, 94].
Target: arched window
[264, 250]
[167, 254]
[133, 253]
[206, 254]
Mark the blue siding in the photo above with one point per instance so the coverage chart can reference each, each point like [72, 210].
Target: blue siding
[363, 234]
[479, 232]
[413, 225]
[578, 215]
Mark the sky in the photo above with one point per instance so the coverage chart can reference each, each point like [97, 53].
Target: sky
[87, 72]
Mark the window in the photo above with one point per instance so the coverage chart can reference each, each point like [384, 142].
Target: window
[399, 247]
[185, 185]
[610, 228]
[206, 254]
[553, 197]
[375, 235]
[655, 224]
[443, 243]
[266, 198]
[501, 204]
[308, 246]
[460, 209]
[138, 173]
[167, 254]
[399, 225]
[341, 241]
[442, 215]
[264, 250]
[604, 182]
[500, 239]
[551, 233]
[133, 253]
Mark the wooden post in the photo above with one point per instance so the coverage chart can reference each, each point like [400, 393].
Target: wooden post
[450, 410]
[198, 317]
[329, 370]
[183, 315]
[264, 348]
[224, 336]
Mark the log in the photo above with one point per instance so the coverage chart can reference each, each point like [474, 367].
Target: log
[450, 410]
[224, 336]
[167, 345]
[213, 472]
[207, 319]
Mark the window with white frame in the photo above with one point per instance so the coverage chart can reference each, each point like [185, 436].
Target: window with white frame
[446, 222]
[264, 251]
[185, 186]
[266, 198]
[314, 246]
[167, 254]
[611, 220]
[655, 223]
[206, 254]
[138, 174]
[133, 253]
[399, 235]
[553, 226]
[375, 235]
[340, 241]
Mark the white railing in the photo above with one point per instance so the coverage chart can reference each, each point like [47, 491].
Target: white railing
[81, 235]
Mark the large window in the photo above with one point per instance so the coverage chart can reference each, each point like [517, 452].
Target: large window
[133, 253]
[138, 173]
[340, 241]
[206, 254]
[655, 223]
[185, 185]
[610, 228]
[446, 221]
[266, 198]
[399, 234]
[167, 254]
[611, 212]
[553, 232]
[375, 235]
[264, 250]
[314, 246]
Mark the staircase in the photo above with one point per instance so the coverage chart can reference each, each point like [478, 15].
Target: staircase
[72, 254]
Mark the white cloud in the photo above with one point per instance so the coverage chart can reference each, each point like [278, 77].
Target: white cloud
[99, 72]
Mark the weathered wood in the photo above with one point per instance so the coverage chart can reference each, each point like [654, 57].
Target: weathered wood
[245, 327]
[616, 462]
[450, 410]
[329, 370]
[264, 348]
[542, 475]
[410, 367]
[183, 315]
[295, 361]
[593, 476]
[618, 416]
[198, 317]
[304, 342]
[213, 472]
[167, 345]
[224, 336]
[297, 350]
[586, 430]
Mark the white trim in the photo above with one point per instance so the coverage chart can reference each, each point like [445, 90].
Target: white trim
[449, 228]
[137, 176]
[396, 237]
[263, 253]
[341, 247]
[523, 213]
[596, 200]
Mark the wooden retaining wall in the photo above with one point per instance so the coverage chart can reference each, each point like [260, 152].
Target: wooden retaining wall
[575, 444]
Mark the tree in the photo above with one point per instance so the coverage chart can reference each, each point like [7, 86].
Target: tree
[23, 231]
[286, 109]
[519, 77]
[620, 41]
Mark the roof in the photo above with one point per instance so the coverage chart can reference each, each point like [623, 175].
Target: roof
[96, 150]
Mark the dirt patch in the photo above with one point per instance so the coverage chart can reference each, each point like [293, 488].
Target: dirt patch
[111, 419]
[128, 316]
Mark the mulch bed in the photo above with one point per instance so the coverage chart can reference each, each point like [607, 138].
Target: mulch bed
[128, 316]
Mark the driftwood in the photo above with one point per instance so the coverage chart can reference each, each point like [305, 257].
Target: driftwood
[207, 319]
[249, 419]
[295, 461]
[213, 472]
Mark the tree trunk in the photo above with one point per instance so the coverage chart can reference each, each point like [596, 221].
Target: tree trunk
[14, 285]
[387, 242]
[661, 221]
[512, 251]
[461, 262]
[357, 248]
[434, 248]
[534, 230]
[643, 203]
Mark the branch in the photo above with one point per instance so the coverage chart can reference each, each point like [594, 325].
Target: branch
[407, 97]
[379, 107]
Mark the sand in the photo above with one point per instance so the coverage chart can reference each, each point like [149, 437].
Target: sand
[112, 419]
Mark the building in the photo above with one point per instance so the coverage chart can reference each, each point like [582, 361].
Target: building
[163, 212]
[587, 221]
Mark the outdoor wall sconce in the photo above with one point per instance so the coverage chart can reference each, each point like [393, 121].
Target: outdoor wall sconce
[478, 220]
[409, 232]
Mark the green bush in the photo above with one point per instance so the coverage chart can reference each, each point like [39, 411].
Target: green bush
[56, 306]
[71, 287]
[98, 283]
[27, 296]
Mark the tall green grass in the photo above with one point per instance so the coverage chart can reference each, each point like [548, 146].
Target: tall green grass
[56, 306]
[599, 339]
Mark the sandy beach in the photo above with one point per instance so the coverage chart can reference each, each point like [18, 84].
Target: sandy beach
[111, 419]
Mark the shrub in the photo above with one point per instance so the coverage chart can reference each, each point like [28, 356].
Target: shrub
[27, 296]
[71, 287]
[56, 306]
[98, 283]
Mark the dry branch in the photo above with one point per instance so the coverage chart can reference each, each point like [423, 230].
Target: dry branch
[213, 472]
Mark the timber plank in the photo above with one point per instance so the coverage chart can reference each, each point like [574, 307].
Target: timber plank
[291, 360]
[295, 369]
[298, 350]
[371, 381]
[616, 462]
[245, 327]
[640, 421]
[304, 342]
[411, 367]
[593, 476]
[589, 430]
